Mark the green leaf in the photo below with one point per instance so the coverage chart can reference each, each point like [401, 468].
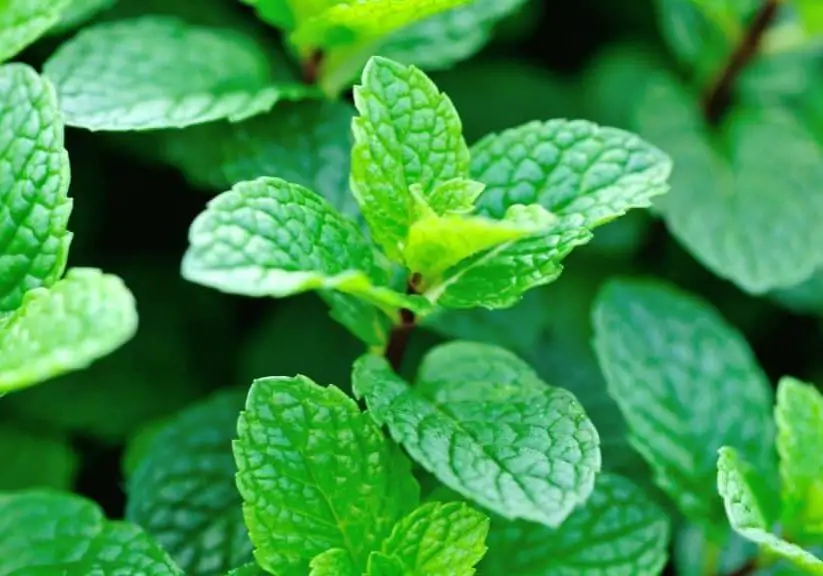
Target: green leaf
[811, 13]
[275, 12]
[687, 384]
[618, 531]
[799, 418]
[483, 422]
[438, 539]
[584, 174]
[741, 487]
[408, 133]
[24, 21]
[34, 183]
[183, 491]
[251, 569]
[349, 21]
[315, 473]
[80, 11]
[44, 533]
[35, 460]
[298, 243]
[334, 562]
[186, 75]
[82, 318]
[750, 216]
[308, 143]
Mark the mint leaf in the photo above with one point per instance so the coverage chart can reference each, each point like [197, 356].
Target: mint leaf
[80, 11]
[268, 237]
[687, 384]
[408, 133]
[315, 473]
[742, 193]
[183, 491]
[43, 533]
[275, 12]
[334, 562]
[83, 317]
[811, 14]
[308, 143]
[618, 531]
[349, 21]
[187, 75]
[744, 496]
[34, 183]
[35, 460]
[438, 539]
[584, 174]
[486, 426]
[24, 21]
[248, 570]
[799, 418]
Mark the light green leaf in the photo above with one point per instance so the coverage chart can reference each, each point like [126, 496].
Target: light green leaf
[741, 487]
[43, 533]
[408, 133]
[315, 473]
[35, 460]
[275, 12]
[80, 11]
[268, 237]
[251, 569]
[308, 143]
[350, 21]
[186, 75]
[799, 417]
[83, 317]
[584, 174]
[334, 562]
[183, 491]
[618, 531]
[34, 183]
[482, 422]
[24, 21]
[811, 13]
[438, 539]
[687, 384]
[751, 217]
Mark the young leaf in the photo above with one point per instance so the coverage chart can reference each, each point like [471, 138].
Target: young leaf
[811, 13]
[438, 539]
[35, 460]
[408, 133]
[24, 21]
[315, 473]
[618, 531]
[334, 562]
[186, 75]
[351, 21]
[687, 384]
[752, 217]
[183, 490]
[83, 317]
[799, 417]
[44, 533]
[482, 422]
[744, 495]
[276, 12]
[268, 237]
[34, 182]
[584, 174]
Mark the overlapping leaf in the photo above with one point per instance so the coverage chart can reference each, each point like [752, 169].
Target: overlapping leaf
[24, 21]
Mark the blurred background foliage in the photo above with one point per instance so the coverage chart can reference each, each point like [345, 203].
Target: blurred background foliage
[136, 195]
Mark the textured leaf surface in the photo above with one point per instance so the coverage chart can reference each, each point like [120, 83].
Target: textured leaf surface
[799, 417]
[744, 497]
[34, 182]
[584, 174]
[186, 75]
[250, 569]
[268, 237]
[35, 461]
[687, 383]
[438, 539]
[83, 317]
[24, 21]
[618, 531]
[308, 143]
[334, 562]
[315, 473]
[482, 422]
[752, 217]
[408, 133]
[45, 533]
[183, 490]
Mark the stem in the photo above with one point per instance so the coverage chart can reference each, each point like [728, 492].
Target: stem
[399, 338]
[719, 97]
[311, 67]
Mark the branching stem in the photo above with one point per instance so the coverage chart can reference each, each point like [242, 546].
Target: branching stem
[399, 337]
[311, 67]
